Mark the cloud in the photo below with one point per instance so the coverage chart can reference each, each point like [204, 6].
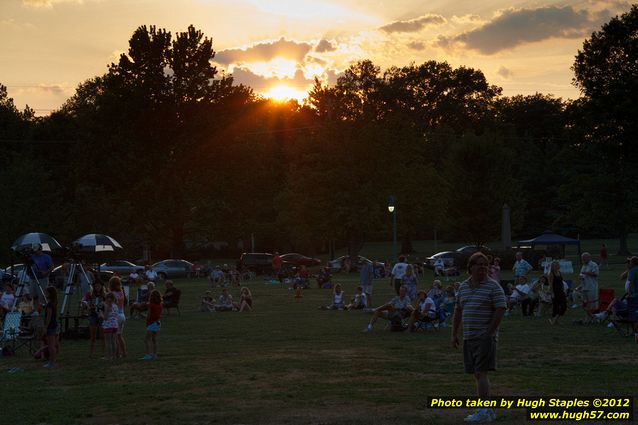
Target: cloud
[416, 45]
[515, 27]
[47, 4]
[264, 52]
[15, 25]
[261, 83]
[414, 25]
[325, 46]
[504, 72]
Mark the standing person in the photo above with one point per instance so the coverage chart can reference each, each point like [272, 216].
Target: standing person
[604, 256]
[495, 270]
[396, 276]
[42, 266]
[153, 324]
[51, 325]
[115, 286]
[366, 277]
[480, 308]
[409, 281]
[559, 298]
[109, 326]
[277, 262]
[521, 267]
[94, 300]
[589, 277]
[150, 274]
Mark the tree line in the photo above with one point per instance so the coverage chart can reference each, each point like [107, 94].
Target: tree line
[163, 151]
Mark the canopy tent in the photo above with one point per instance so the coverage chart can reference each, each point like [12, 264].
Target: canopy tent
[548, 238]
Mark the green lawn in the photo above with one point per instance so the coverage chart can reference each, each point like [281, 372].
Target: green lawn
[290, 363]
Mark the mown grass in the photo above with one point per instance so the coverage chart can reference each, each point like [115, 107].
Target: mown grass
[290, 363]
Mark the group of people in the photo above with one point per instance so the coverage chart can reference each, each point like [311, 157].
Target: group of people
[225, 302]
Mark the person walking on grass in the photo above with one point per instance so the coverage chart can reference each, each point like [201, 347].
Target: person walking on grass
[559, 299]
[51, 326]
[480, 308]
[396, 276]
[153, 324]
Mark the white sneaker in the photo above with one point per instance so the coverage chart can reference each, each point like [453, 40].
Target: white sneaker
[481, 416]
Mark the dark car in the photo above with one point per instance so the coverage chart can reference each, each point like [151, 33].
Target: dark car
[58, 278]
[450, 259]
[337, 264]
[169, 269]
[257, 262]
[121, 267]
[295, 259]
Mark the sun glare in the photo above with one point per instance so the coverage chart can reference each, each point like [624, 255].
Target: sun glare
[283, 93]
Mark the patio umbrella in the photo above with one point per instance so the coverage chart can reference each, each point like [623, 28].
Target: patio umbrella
[30, 241]
[94, 242]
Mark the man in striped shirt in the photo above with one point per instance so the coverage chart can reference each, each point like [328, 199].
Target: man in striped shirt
[480, 308]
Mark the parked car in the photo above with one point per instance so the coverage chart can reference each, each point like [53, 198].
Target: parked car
[471, 249]
[58, 279]
[121, 267]
[456, 258]
[257, 262]
[450, 259]
[337, 264]
[295, 259]
[169, 269]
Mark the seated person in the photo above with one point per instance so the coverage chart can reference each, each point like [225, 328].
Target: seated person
[519, 294]
[225, 301]
[7, 300]
[246, 301]
[134, 278]
[425, 311]
[360, 300]
[235, 277]
[436, 293]
[207, 302]
[324, 277]
[337, 299]
[302, 277]
[26, 306]
[449, 301]
[141, 304]
[398, 308]
[150, 275]
[439, 267]
[216, 276]
[171, 295]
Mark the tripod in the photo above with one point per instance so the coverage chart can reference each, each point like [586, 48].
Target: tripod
[75, 268]
[23, 281]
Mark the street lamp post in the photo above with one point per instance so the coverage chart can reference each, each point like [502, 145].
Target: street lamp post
[392, 203]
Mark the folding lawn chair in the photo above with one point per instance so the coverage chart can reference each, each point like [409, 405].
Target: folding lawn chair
[626, 321]
[605, 298]
[12, 335]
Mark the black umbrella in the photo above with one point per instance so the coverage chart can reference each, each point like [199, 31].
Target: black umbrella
[96, 243]
[30, 241]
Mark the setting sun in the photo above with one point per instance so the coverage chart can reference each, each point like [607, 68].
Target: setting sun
[282, 93]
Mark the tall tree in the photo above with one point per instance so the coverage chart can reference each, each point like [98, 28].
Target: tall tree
[606, 72]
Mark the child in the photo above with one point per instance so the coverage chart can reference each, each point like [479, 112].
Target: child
[225, 301]
[298, 292]
[246, 300]
[360, 300]
[51, 326]
[207, 303]
[115, 286]
[337, 299]
[153, 324]
[93, 301]
[110, 320]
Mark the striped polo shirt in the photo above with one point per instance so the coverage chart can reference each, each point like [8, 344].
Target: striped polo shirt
[478, 306]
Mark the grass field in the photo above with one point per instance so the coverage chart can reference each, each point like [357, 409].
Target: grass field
[290, 363]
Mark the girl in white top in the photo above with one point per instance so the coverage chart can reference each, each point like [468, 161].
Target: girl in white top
[337, 298]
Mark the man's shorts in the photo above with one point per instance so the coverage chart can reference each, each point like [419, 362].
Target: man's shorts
[154, 327]
[479, 354]
[590, 299]
[367, 289]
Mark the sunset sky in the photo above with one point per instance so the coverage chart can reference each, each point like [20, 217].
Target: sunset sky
[47, 47]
